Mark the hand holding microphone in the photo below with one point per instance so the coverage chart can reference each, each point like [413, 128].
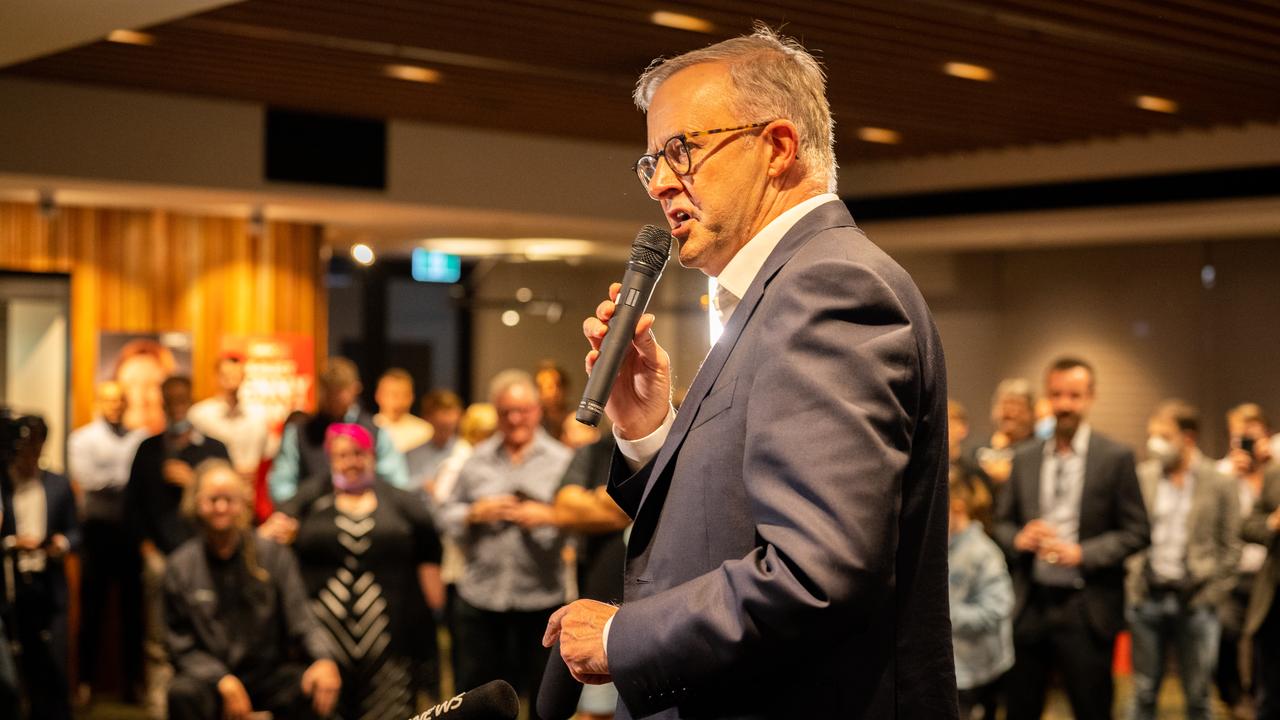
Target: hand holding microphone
[624, 349]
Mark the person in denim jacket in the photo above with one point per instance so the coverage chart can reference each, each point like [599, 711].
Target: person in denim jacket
[981, 601]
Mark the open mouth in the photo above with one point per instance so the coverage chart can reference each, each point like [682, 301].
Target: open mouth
[678, 219]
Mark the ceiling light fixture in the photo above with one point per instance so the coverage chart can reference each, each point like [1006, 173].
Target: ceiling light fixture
[1156, 104]
[969, 71]
[884, 136]
[362, 254]
[413, 73]
[680, 21]
[131, 37]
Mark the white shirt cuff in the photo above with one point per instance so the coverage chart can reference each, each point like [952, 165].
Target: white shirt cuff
[605, 637]
[640, 451]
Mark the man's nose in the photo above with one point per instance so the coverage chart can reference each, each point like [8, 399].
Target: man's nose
[664, 181]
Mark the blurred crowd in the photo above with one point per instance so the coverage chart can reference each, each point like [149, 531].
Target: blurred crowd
[1061, 540]
[362, 565]
[227, 571]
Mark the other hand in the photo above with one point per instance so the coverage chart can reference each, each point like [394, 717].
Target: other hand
[279, 528]
[1056, 552]
[1033, 534]
[641, 394]
[579, 626]
[321, 682]
[492, 509]
[177, 472]
[235, 699]
[1273, 521]
[531, 514]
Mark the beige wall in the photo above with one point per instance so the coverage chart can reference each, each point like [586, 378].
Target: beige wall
[1138, 313]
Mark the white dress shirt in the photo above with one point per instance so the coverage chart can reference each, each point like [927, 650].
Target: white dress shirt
[1061, 489]
[1169, 530]
[407, 433]
[99, 457]
[242, 429]
[31, 519]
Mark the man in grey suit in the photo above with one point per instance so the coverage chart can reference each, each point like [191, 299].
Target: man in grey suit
[788, 552]
[1071, 514]
[1175, 587]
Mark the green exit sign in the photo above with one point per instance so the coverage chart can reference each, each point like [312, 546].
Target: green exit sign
[438, 267]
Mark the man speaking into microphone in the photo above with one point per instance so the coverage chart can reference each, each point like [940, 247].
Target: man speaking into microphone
[788, 553]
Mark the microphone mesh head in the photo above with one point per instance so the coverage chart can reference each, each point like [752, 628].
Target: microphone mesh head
[651, 247]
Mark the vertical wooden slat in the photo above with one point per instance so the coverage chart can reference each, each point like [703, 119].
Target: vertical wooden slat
[153, 271]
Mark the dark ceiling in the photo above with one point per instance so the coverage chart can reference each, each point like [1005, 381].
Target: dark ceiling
[1064, 70]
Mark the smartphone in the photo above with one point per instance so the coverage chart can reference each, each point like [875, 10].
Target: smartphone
[1246, 444]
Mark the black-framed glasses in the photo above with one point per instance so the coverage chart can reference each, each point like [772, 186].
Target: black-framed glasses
[676, 152]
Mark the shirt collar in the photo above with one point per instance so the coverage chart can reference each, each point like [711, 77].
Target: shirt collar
[742, 269]
[1079, 443]
[536, 446]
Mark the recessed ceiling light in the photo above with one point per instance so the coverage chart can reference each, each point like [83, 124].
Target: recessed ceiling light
[680, 21]
[413, 73]
[362, 254]
[1156, 104]
[969, 71]
[131, 37]
[883, 136]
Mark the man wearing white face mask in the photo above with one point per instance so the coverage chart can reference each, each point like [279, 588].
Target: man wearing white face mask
[1176, 585]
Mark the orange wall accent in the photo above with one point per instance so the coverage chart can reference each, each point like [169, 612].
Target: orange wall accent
[155, 270]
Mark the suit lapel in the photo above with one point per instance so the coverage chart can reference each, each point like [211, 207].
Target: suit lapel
[832, 214]
[1092, 476]
[1031, 481]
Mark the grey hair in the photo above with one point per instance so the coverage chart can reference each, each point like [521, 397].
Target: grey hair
[507, 379]
[1020, 388]
[773, 77]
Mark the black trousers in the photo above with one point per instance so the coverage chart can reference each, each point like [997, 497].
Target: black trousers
[1266, 653]
[279, 692]
[982, 702]
[41, 633]
[109, 559]
[1053, 632]
[500, 645]
[1227, 671]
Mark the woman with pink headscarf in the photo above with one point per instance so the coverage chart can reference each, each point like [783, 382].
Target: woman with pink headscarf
[370, 557]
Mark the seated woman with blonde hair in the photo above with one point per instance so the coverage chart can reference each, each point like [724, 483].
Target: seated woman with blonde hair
[241, 637]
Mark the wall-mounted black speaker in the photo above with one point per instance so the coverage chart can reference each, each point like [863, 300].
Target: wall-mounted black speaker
[316, 149]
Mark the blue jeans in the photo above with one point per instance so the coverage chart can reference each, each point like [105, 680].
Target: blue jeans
[1156, 623]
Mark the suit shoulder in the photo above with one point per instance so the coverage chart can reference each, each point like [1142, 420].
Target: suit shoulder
[1108, 446]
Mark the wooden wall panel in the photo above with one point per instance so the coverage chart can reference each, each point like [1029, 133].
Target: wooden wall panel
[155, 271]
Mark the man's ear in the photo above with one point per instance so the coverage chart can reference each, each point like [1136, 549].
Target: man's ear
[783, 141]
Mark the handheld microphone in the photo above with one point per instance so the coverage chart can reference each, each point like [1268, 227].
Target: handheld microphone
[494, 700]
[559, 692]
[648, 256]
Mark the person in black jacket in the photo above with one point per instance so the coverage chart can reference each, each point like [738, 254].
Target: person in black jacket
[240, 631]
[1071, 514]
[39, 528]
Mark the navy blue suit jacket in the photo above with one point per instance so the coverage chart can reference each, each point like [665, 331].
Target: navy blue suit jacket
[60, 504]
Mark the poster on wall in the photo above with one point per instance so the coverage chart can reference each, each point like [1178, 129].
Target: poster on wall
[140, 362]
[279, 374]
